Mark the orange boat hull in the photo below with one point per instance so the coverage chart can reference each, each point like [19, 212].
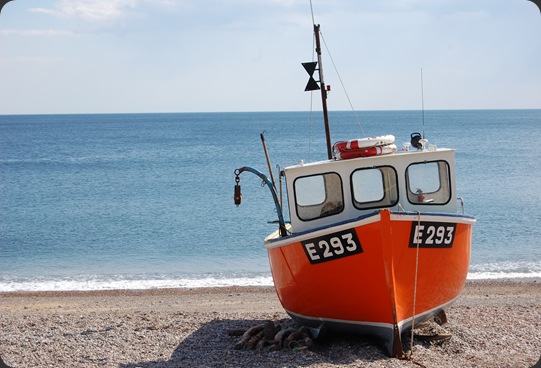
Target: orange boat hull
[406, 267]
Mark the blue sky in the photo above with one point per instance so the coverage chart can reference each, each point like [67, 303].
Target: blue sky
[109, 56]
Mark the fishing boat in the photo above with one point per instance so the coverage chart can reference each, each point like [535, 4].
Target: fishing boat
[377, 239]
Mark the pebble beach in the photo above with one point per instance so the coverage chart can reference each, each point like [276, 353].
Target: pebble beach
[492, 324]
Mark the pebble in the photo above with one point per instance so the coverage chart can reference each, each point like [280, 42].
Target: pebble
[190, 330]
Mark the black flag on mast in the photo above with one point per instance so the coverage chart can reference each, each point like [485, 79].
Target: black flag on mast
[310, 69]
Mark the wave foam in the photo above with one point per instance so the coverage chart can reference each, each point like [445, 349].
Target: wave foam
[505, 270]
[82, 284]
[486, 271]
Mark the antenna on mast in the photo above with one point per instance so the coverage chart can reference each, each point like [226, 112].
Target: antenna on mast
[423, 101]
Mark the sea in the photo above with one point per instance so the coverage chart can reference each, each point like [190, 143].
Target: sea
[143, 201]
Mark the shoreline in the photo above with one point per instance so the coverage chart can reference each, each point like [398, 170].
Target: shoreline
[493, 323]
[134, 282]
[86, 289]
[224, 289]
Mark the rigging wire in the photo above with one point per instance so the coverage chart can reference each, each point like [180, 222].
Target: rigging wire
[311, 95]
[311, 102]
[339, 78]
[343, 86]
[415, 284]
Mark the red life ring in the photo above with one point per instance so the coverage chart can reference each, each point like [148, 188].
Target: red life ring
[365, 152]
[353, 144]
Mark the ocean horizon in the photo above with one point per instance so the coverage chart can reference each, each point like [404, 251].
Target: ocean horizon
[144, 201]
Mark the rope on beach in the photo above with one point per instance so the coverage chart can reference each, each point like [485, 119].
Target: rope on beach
[274, 337]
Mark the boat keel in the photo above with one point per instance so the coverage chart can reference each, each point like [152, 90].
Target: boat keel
[396, 350]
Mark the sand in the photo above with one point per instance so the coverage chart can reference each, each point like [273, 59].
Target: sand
[493, 324]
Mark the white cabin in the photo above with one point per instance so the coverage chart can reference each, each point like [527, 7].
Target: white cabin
[326, 192]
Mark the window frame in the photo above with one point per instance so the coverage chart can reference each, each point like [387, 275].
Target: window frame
[322, 204]
[446, 174]
[385, 202]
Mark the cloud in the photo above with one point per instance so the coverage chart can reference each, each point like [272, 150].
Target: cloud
[35, 32]
[100, 10]
[215, 11]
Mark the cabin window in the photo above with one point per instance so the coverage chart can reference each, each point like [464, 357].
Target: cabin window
[318, 196]
[429, 183]
[374, 187]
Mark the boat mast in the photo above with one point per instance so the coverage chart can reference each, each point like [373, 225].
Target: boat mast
[323, 93]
